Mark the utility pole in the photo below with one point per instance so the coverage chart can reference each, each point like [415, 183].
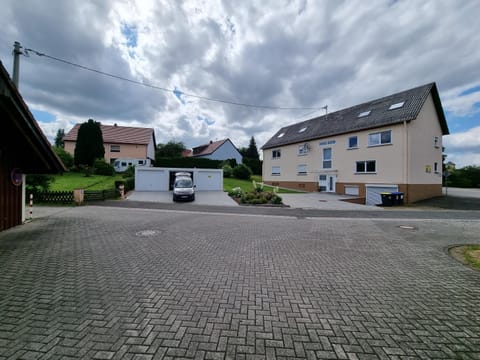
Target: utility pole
[17, 51]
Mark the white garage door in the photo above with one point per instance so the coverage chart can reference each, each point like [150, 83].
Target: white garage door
[374, 196]
[209, 180]
[151, 179]
[351, 190]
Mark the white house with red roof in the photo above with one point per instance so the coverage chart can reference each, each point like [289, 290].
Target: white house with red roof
[120, 142]
[216, 150]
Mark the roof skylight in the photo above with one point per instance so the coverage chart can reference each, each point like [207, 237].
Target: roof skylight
[396, 105]
[280, 135]
[302, 129]
[364, 113]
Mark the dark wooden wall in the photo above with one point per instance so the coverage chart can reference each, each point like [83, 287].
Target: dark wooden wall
[10, 196]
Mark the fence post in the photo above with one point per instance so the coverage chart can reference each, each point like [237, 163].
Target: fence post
[31, 206]
[78, 196]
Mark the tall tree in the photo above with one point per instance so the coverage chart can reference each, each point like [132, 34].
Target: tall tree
[89, 144]
[59, 138]
[252, 152]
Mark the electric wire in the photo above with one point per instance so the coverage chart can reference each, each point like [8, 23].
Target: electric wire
[118, 77]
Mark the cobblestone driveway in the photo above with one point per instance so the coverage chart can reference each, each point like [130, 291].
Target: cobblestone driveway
[108, 283]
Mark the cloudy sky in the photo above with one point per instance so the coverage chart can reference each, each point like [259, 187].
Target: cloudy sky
[279, 54]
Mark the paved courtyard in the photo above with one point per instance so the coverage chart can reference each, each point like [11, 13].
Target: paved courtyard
[115, 283]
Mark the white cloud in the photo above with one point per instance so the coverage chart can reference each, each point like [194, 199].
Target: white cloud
[279, 53]
[463, 148]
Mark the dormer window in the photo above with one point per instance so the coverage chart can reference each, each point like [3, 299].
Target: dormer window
[302, 129]
[280, 135]
[364, 113]
[396, 105]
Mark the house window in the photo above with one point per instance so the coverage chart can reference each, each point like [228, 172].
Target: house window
[364, 113]
[140, 162]
[353, 142]
[327, 142]
[276, 154]
[302, 129]
[302, 169]
[114, 148]
[303, 149]
[280, 135]
[367, 166]
[436, 141]
[276, 170]
[327, 158]
[435, 167]
[396, 105]
[380, 138]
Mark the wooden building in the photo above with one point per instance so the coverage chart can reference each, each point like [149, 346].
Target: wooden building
[24, 149]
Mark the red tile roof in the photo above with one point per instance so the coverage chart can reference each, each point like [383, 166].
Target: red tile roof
[118, 134]
[207, 149]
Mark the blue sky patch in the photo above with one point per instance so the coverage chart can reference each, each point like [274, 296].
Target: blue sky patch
[463, 123]
[470, 91]
[178, 94]
[130, 33]
[206, 120]
[43, 116]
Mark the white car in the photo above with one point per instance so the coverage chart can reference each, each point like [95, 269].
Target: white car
[183, 188]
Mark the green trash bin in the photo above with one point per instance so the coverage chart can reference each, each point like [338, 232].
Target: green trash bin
[387, 199]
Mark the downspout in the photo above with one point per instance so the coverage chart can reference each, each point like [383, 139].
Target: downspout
[405, 159]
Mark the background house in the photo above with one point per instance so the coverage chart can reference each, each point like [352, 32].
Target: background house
[23, 150]
[216, 150]
[389, 144]
[120, 142]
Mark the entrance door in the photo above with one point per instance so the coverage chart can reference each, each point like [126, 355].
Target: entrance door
[326, 182]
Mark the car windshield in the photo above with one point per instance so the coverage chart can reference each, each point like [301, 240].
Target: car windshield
[183, 183]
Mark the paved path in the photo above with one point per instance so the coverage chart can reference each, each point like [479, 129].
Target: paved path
[115, 283]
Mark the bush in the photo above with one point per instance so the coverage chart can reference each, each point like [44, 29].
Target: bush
[258, 198]
[130, 172]
[66, 157]
[236, 192]
[254, 164]
[227, 171]
[103, 168]
[242, 172]
[35, 183]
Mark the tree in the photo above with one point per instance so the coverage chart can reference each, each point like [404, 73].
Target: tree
[89, 144]
[66, 157]
[171, 149]
[59, 138]
[252, 152]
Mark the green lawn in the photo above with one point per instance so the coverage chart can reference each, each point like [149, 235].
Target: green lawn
[71, 181]
[247, 185]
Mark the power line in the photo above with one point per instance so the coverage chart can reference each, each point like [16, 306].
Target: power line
[83, 67]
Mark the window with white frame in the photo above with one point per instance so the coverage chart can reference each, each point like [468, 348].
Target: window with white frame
[353, 142]
[302, 169]
[380, 138]
[436, 141]
[114, 148]
[276, 170]
[276, 154]
[366, 166]
[327, 142]
[327, 158]
[303, 149]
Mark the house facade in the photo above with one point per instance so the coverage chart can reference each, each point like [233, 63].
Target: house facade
[216, 150]
[24, 149]
[120, 142]
[385, 145]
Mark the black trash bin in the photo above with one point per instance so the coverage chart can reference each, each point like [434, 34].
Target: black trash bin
[397, 198]
[387, 199]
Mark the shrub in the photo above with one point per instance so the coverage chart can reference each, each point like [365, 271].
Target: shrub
[66, 157]
[103, 168]
[258, 198]
[35, 183]
[236, 192]
[130, 172]
[242, 172]
[227, 171]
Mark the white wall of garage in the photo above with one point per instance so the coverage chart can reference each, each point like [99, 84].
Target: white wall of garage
[157, 179]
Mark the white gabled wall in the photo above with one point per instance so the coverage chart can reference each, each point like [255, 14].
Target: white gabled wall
[422, 151]
[226, 151]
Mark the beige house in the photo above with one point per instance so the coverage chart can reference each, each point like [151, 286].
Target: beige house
[385, 145]
[120, 142]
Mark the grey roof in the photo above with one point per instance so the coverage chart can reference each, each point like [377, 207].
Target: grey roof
[347, 120]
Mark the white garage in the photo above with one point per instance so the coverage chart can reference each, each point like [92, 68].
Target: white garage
[374, 191]
[160, 179]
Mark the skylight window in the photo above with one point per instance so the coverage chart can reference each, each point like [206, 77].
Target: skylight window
[302, 129]
[396, 105]
[280, 135]
[364, 113]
